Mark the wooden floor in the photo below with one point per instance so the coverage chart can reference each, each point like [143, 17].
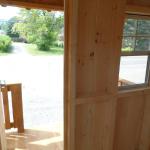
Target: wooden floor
[34, 139]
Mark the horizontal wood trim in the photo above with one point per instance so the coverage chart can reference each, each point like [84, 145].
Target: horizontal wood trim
[94, 99]
[120, 94]
[32, 5]
[136, 16]
[134, 92]
[127, 93]
[136, 9]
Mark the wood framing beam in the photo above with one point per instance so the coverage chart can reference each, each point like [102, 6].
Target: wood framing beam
[33, 5]
[71, 16]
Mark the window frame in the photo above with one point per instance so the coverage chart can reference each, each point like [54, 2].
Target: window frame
[137, 53]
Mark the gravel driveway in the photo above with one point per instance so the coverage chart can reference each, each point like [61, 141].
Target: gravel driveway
[42, 85]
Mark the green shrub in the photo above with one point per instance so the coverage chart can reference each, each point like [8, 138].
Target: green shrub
[5, 43]
[45, 41]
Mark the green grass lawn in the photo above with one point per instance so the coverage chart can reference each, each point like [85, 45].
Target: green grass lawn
[33, 50]
[4, 53]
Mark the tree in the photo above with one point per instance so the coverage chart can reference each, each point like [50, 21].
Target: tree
[39, 26]
[136, 35]
[8, 25]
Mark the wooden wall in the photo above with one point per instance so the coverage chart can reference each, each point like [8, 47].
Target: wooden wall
[133, 121]
[101, 117]
[100, 24]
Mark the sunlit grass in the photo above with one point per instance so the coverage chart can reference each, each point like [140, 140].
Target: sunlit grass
[33, 50]
[127, 49]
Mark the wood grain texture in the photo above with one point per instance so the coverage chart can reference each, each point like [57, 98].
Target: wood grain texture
[144, 143]
[95, 125]
[97, 43]
[99, 30]
[93, 34]
[71, 22]
[129, 119]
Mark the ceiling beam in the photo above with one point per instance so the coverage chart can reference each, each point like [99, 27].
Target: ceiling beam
[33, 5]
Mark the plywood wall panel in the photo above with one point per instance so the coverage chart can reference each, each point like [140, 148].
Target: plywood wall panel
[99, 31]
[103, 122]
[129, 118]
[144, 143]
[95, 126]
[98, 51]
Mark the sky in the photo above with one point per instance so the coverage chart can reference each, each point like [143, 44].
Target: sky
[8, 12]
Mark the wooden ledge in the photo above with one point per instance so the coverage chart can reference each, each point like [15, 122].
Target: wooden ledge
[94, 99]
[137, 9]
[108, 97]
[134, 92]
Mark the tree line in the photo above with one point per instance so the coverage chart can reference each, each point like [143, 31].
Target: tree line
[39, 27]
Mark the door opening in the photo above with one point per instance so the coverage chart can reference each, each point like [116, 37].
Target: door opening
[33, 59]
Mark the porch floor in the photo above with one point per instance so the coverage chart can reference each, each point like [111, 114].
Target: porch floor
[35, 139]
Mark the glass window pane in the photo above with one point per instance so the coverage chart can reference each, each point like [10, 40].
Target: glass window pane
[142, 44]
[128, 44]
[130, 27]
[132, 70]
[143, 27]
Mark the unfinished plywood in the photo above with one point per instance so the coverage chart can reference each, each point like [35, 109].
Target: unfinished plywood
[71, 16]
[129, 115]
[144, 141]
[99, 117]
[99, 38]
[94, 47]
[95, 125]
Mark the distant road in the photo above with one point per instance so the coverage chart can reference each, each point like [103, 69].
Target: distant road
[19, 48]
[42, 85]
